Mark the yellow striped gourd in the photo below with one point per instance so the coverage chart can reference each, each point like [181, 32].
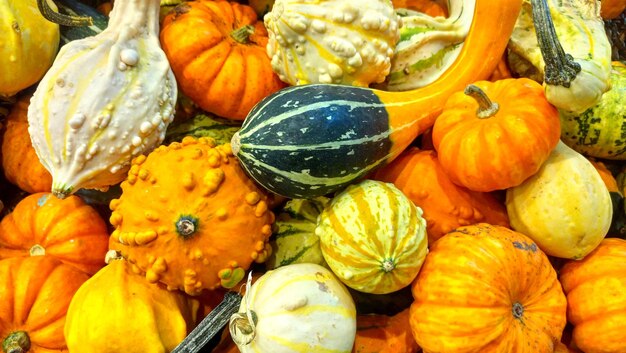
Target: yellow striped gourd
[373, 237]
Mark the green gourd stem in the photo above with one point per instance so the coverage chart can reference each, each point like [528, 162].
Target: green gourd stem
[16, 342]
[486, 108]
[241, 35]
[210, 325]
[63, 20]
[560, 68]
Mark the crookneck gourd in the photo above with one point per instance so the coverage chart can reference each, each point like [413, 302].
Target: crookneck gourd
[106, 99]
[310, 140]
[200, 226]
[565, 42]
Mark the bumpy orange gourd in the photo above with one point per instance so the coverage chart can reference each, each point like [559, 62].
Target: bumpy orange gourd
[487, 289]
[497, 134]
[68, 229]
[190, 217]
[596, 304]
[35, 292]
[217, 52]
[384, 334]
[446, 206]
[19, 160]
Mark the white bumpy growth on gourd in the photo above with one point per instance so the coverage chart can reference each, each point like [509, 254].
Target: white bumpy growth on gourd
[105, 100]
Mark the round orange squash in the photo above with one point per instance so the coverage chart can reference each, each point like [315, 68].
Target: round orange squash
[596, 302]
[68, 229]
[419, 175]
[36, 293]
[19, 160]
[496, 134]
[217, 52]
[486, 288]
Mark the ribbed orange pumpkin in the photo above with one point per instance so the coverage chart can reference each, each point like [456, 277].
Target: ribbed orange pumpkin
[596, 300]
[496, 135]
[446, 206]
[35, 292]
[68, 229]
[217, 52]
[487, 289]
[19, 160]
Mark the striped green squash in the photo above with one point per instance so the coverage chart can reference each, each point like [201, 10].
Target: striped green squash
[600, 131]
[294, 240]
[373, 237]
[76, 8]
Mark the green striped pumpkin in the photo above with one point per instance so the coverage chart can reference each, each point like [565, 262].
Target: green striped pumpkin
[294, 239]
[373, 237]
[600, 131]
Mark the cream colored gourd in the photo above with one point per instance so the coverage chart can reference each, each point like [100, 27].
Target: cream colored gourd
[332, 41]
[565, 207]
[580, 31]
[106, 99]
[298, 308]
[428, 45]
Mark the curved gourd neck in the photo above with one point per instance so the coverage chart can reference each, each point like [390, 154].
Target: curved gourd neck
[135, 15]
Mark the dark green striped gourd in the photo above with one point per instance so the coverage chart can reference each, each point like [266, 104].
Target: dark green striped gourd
[76, 8]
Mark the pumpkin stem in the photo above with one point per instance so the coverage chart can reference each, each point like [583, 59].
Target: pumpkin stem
[486, 108]
[210, 325]
[37, 250]
[560, 68]
[63, 20]
[16, 342]
[388, 265]
[241, 35]
[186, 226]
[518, 310]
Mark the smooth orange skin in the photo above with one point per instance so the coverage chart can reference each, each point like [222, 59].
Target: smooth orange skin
[596, 304]
[419, 175]
[503, 150]
[384, 334]
[36, 292]
[467, 287]
[219, 74]
[68, 229]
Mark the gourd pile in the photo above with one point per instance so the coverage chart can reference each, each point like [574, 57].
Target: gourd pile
[313, 176]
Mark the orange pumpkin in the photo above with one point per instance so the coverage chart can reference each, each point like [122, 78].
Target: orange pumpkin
[596, 304]
[384, 334]
[35, 292]
[67, 229]
[496, 134]
[419, 175]
[217, 52]
[19, 160]
[487, 289]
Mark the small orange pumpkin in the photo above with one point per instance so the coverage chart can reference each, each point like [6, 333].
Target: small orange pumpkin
[68, 229]
[446, 206]
[19, 160]
[596, 304]
[487, 145]
[217, 52]
[487, 289]
[384, 334]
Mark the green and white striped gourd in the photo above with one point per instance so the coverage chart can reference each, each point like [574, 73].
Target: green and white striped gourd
[332, 41]
[428, 45]
[105, 100]
[294, 239]
[373, 237]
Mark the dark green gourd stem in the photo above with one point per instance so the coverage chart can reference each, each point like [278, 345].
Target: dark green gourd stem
[63, 20]
[560, 68]
[210, 325]
[242, 35]
[16, 342]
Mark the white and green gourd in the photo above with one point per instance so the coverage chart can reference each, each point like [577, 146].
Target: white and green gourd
[105, 100]
[332, 41]
[428, 45]
[373, 237]
[565, 43]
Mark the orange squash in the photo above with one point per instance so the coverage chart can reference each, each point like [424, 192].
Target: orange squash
[217, 52]
[384, 334]
[446, 206]
[610, 9]
[606, 175]
[496, 134]
[487, 289]
[596, 304]
[19, 160]
[36, 293]
[68, 229]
